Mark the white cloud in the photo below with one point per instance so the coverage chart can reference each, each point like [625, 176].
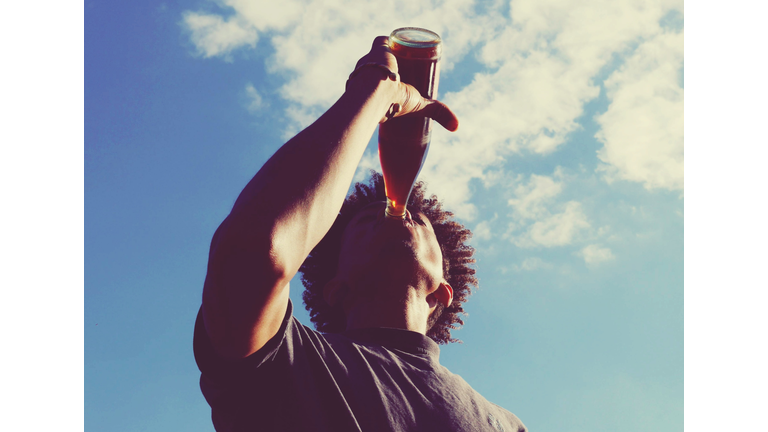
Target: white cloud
[319, 42]
[483, 230]
[532, 264]
[254, 100]
[266, 15]
[214, 36]
[537, 219]
[541, 62]
[559, 229]
[642, 130]
[531, 198]
[594, 254]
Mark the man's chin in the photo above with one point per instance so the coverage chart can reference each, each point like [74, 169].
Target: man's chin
[398, 250]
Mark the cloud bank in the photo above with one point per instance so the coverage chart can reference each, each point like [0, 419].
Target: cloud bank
[642, 131]
[540, 62]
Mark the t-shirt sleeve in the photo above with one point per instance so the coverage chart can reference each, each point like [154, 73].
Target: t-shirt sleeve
[250, 391]
[222, 370]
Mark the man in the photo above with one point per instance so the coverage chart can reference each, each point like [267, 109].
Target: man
[379, 287]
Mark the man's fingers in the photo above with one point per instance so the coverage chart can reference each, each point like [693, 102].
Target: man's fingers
[380, 40]
[440, 113]
[379, 54]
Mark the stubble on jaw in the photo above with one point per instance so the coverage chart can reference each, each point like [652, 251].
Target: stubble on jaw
[396, 272]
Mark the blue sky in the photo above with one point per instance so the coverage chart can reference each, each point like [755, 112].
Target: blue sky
[568, 166]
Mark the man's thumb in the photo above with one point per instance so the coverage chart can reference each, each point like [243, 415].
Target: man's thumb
[440, 112]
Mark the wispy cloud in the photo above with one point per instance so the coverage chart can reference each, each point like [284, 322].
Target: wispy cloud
[215, 36]
[558, 229]
[531, 198]
[483, 231]
[532, 264]
[539, 220]
[254, 101]
[595, 254]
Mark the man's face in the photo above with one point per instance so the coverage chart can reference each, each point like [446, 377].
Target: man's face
[376, 248]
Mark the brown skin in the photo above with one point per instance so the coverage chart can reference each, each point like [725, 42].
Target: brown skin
[291, 203]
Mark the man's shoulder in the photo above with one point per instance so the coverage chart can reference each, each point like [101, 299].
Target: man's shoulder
[498, 417]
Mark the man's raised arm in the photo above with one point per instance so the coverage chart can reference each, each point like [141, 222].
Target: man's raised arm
[291, 203]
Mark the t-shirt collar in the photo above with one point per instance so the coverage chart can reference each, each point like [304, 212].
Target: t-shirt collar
[399, 339]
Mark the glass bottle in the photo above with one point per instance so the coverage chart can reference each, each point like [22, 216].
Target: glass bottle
[404, 141]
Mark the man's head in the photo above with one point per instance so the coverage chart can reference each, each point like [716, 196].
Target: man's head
[427, 250]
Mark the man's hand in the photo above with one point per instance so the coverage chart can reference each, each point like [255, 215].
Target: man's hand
[407, 100]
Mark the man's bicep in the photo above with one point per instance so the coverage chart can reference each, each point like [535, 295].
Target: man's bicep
[245, 295]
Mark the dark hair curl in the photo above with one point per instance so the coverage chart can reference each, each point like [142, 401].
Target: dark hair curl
[321, 264]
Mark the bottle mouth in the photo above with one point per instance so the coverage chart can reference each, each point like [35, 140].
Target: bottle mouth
[393, 212]
[415, 37]
[394, 216]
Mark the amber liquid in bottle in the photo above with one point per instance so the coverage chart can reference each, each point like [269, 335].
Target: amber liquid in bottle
[404, 142]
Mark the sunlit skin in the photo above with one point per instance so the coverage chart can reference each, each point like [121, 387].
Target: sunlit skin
[390, 271]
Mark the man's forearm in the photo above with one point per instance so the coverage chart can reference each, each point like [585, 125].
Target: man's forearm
[295, 197]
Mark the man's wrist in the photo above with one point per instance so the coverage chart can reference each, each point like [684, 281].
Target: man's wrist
[370, 77]
[373, 83]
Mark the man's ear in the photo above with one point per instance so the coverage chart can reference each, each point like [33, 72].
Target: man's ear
[333, 292]
[443, 294]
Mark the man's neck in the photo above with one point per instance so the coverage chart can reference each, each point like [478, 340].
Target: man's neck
[408, 312]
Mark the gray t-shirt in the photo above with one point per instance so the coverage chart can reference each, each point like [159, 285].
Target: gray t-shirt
[377, 379]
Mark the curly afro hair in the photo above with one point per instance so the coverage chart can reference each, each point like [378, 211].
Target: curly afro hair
[320, 266]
